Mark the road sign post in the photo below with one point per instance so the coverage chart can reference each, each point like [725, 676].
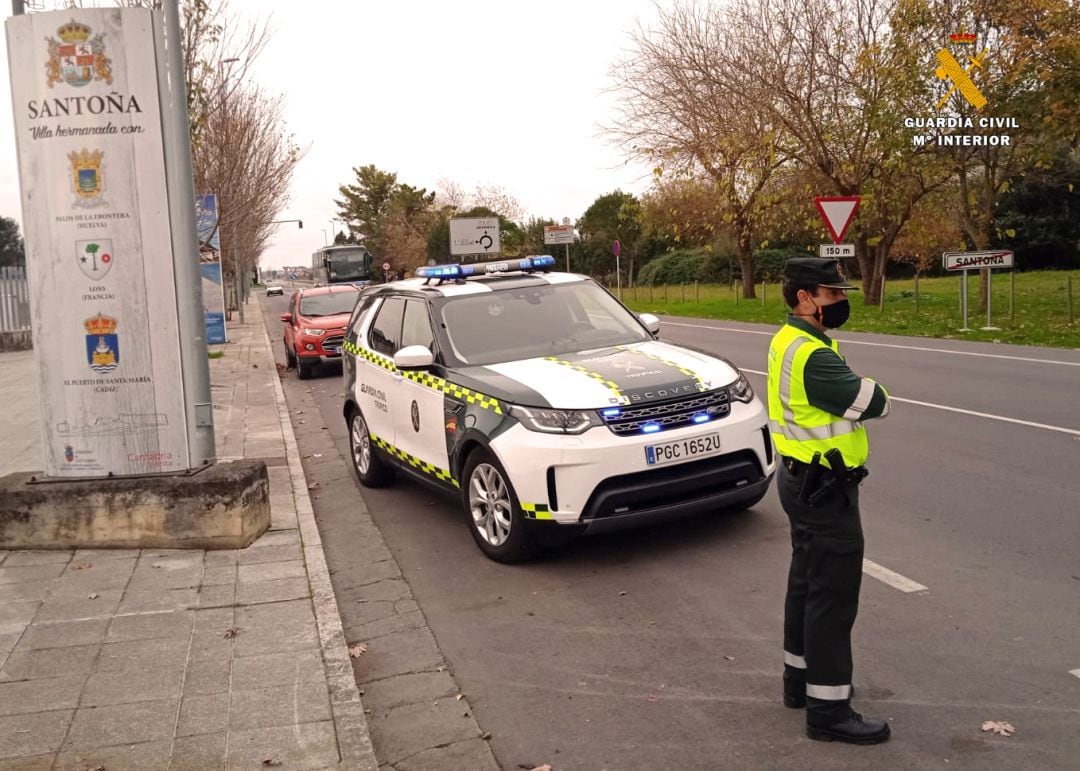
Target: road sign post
[560, 234]
[474, 236]
[965, 261]
[615, 247]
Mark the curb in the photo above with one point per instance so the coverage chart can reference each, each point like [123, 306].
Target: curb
[354, 739]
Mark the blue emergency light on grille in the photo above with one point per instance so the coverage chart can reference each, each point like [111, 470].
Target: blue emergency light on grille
[524, 264]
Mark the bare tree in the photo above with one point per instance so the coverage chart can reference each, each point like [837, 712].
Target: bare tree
[683, 111]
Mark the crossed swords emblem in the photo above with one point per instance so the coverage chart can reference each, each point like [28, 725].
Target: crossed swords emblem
[950, 69]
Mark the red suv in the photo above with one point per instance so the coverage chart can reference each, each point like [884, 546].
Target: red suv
[315, 325]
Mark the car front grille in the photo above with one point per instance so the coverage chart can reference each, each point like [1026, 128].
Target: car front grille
[669, 414]
[333, 343]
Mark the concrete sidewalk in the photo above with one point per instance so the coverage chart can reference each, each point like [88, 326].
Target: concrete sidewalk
[148, 659]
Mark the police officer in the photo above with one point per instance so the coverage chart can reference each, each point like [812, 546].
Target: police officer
[817, 406]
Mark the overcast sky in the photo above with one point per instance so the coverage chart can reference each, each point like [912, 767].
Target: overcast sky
[478, 91]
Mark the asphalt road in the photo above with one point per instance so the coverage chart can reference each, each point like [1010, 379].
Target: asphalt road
[661, 648]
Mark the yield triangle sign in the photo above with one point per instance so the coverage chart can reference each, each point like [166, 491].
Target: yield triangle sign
[837, 213]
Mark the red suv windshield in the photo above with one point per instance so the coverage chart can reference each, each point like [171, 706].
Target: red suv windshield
[329, 304]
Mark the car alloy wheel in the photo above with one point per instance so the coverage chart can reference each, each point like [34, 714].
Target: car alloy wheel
[361, 444]
[489, 504]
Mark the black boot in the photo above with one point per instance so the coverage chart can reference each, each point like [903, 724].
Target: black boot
[853, 730]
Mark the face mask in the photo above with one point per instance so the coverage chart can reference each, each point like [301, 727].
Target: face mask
[835, 315]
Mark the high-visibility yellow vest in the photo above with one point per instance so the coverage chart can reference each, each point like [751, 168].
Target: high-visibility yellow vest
[798, 428]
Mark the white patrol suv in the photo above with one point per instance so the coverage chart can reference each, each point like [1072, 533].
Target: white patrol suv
[545, 404]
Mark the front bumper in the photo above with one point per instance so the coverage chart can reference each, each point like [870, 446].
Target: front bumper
[326, 348]
[603, 481]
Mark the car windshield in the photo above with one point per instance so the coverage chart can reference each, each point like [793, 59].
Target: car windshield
[329, 304]
[537, 320]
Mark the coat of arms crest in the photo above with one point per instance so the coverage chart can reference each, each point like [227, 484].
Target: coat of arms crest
[86, 177]
[94, 257]
[102, 344]
[77, 58]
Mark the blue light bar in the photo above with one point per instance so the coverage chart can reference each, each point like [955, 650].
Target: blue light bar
[439, 271]
[701, 417]
[611, 412]
[650, 428]
[525, 264]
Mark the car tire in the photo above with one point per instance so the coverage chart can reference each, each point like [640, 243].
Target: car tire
[370, 467]
[497, 524]
[303, 368]
[290, 358]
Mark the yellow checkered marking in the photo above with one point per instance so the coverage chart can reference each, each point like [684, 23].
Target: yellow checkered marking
[688, 372]
[428, 380]
[536, 511]
[609, 384]
[441, 474]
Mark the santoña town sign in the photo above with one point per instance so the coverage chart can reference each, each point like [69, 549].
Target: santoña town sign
[976, 260]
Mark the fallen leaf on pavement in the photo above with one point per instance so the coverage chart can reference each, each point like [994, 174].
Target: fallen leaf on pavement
[998, 727]
[622, 594]
[316, 455]
[729, 658]
[356, 650]
[313, 485]
[460, 696]
[83, 566]
[231, 632]
[254, 366]
[271, 762]
[93, 596]
[650, 697]
[486, 735]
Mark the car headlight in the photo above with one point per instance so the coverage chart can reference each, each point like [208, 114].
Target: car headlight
[314, 332]
[551, 421]
[740, 390]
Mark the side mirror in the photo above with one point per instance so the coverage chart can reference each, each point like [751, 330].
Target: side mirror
[414, 357]
[287, 318]
[651, 322]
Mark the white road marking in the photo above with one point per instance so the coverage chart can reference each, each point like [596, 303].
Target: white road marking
[987, 415]
[1075, 672]
[895, 580]
[846, 341]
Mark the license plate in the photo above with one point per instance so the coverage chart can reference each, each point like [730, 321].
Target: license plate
[334, 349]
[682, 449]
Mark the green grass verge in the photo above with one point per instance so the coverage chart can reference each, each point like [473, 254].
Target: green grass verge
[216, 354]
[1039, 308]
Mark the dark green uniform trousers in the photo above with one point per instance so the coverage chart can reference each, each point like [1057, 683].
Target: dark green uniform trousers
[822, 595]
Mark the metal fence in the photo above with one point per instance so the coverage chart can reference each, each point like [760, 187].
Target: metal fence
[14, 300]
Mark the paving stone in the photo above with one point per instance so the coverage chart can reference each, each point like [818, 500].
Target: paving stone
[308, 745]
[271, 571]
[63, 633]
[390, 590]
[276, 538]
[213, 645]
[219, 576]
[40, 695]
[33, 763]
[416, 688]
[15, 616]
[206, 678]
[283, 553]
[399, 622]
[101, 576]
[272, 591]
[48, 662]
[203, 714]
[19, 575]
[149, 601]
[255, 672]
[134, 655]
[408, 730]
[121, 724]
[174, 574]
[18, 559]
[217, 596]
[397, 654]
[283, 705]
[29, 590]
[147, 626]
[221, 557]
[103, 605]
[129, 686]
[280, 519]
[213, 619]
[33, 734]
[474, 754]
[199, 753]
[99, 555]
[275, 627]
[148, 756]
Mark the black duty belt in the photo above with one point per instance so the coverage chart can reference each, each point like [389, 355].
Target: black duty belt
[797, 467]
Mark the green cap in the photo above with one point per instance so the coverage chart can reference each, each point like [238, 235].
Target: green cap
[816, 271]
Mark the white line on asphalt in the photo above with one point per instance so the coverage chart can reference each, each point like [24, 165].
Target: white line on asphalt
[1075, 672]
[845, 341]
[988, 416]
[895, 580]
